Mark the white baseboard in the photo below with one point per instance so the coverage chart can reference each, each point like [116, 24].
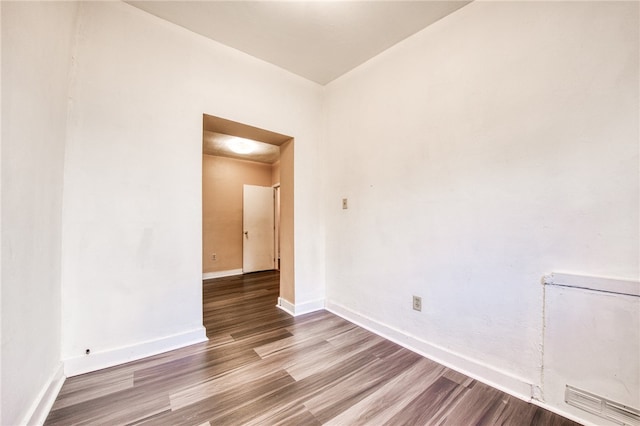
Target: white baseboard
[286, 306]
[309, 306]
[220, 274]
[42, 405]
[100, 360]
[475, 369]
[300, 308]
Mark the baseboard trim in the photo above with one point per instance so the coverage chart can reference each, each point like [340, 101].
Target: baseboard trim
[42, 405]
[475, 369]
[100, 360]
[301, 308]
[220, 274]
[286, 306]
[309, 306]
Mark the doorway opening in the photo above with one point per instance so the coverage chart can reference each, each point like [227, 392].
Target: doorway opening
[235, 155]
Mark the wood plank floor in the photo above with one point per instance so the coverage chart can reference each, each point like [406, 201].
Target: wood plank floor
[263, 367]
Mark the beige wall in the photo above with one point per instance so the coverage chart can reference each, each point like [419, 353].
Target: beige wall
[275, 173]
[287, 261]
[222, 180]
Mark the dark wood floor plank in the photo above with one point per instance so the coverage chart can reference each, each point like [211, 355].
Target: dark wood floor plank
[114, 409]
[296, 415]
[423, 409]
[478, 404]
[327, 357]
[297, 392]
[264, 367]
[80, 388]
[223, 404]
[348, 392]
[389, 399]
[514, 412]
[240, 377]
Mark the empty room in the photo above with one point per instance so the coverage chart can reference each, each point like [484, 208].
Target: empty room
[447, 231]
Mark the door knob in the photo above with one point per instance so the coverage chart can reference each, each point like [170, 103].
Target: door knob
[246, 233]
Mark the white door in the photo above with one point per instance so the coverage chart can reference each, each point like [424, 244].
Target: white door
[257, 221]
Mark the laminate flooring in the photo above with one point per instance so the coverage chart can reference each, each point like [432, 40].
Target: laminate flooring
[264, 367]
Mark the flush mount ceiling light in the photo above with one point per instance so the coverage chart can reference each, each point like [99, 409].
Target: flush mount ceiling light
[224, 145]
[241, 145]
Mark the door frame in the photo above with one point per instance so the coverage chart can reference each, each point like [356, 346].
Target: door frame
[276, 226]
[287, 172]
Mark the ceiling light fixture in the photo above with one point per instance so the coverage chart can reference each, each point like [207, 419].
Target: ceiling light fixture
[241, 146]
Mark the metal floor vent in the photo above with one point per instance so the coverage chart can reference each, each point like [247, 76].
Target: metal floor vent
[602, 407]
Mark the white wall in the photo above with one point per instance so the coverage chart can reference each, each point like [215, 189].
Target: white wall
[592, 343]
[36, 52]
[497, 145]
[132, 201]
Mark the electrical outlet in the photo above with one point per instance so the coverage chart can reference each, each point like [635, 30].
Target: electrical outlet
[417, 303]
[214, 257]
[344, 204]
